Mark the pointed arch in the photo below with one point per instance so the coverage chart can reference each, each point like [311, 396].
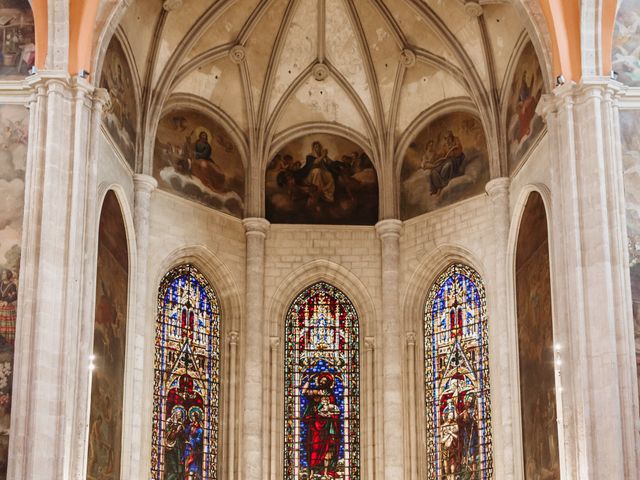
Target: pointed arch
[322, 385]
[186, 392]
[456, 360]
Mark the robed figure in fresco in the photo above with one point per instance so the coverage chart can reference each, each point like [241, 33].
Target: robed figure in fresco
[322, 419]
[445, 163]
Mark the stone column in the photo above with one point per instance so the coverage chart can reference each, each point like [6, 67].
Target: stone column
[501, 334]
[274, 452]
[143, 185]
[369, 391]
[593, 323]
[392, 350]
[231, 421]
[253, 457]
[410, 339]
[57, 285]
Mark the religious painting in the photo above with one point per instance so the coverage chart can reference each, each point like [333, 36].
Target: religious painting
[322, 386]
[458, 410]
[629, 121]
[14, 121]
[523, 124]
[17, 34]
[121, 114]
[321, 179]
[535, 345]
[186, 378]
[195, 158]
[445, 163]
[626, 43]
[109, 340]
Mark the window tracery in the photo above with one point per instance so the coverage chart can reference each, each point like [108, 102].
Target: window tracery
[458, 412]
[322, 386]
[187, 378]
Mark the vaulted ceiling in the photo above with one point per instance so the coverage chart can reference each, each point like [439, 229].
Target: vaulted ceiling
[371, 68]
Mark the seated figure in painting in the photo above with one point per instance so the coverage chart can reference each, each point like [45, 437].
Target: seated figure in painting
[203, 167]
[446, 164]
[322, 417]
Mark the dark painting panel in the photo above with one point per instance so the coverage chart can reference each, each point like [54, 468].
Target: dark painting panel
[14, 123]
[629, 121]
[626, 43]
[17, 39]
[121, 114]
[321, 179]
[535, 345]
[523, 124]
[446, 162]
[107, 387]
[195, 158]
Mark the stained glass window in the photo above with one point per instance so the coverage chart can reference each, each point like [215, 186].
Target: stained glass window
[322, 386]
[458, 410]
[187, 382]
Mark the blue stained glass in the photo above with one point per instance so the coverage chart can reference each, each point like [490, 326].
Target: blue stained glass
[186, 383]
[458, 421]
[322, 434]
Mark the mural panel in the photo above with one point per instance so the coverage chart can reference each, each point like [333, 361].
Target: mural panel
[14, 121]
[629, 121]
[446, 162]
[109, 340]
[626, 43]
[523, 124]
[195, 158]
[321, 179]
[121, 115]
[17, 34]
[535, 345]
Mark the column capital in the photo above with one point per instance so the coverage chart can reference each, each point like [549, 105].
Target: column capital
[389, 228]
[369, 343]
[145, 183]
[410, 337]
[497, 187]
[256, 225]
[274, 343]
[233, 337]
[574, 93]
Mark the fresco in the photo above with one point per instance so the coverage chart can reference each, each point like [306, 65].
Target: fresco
[17, 34]
[523, 124]
[626, 43]
[14, 122]
[109, 339]
[445, 163]
[195, 158]
[629, 121]
[121, 115]
[535, 345]
[321, 179]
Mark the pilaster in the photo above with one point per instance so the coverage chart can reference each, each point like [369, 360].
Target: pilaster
[143, 186]
[500, 340]
[392, 352]
[593, 323]
[253, 459]
[56, 304]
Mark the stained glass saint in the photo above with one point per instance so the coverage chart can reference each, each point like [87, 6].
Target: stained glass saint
[457, 378]
[322, 434]
[186, 384]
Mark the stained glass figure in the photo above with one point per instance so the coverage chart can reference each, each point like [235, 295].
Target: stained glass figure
[458, 410]
[187, 378]
[322, 386]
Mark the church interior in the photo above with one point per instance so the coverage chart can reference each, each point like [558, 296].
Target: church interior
[319, 239]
